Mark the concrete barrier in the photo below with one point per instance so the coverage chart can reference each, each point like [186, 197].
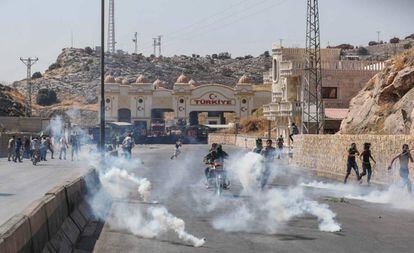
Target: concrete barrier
[15, 235]
[53, 223]
[56, 208]
[74, 193]
[36, 213]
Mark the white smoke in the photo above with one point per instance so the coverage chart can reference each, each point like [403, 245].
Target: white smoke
[121, 184]
[150, 223]
[395, 195]
[115, 181]
[268, 211]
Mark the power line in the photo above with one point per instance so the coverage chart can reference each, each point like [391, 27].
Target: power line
[193, 35]
[214, 22]
[29, 62]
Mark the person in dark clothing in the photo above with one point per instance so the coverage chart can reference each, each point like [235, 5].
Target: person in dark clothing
[27, 153]
[294, 131]
[405, 157]
[280, 142]
[366, 165]
[268, 154]
[18, 148]
[351, 162]
[259, 146]
[216, 154]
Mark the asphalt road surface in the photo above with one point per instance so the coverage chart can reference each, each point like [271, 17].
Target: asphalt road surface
[22, 183]
[366, 226]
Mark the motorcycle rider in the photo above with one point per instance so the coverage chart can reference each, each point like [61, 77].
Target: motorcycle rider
[268, 154]
[216, 154]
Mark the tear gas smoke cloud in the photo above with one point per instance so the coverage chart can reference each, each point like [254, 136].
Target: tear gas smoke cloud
[395, 195]
[149, 222]
[115, 181]
[269, 210]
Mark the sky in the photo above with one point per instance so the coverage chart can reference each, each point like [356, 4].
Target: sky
[41, 28]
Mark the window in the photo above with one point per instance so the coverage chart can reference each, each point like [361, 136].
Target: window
[275, 71]
[329, 92]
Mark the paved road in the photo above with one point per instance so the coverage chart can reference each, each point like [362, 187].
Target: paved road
[366, 227]
[22, 183]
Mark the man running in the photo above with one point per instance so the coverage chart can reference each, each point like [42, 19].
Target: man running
[63, 147]
[351, 162]
[280, 143]
[11, 150]
[127, 146]
[405, 157]
[259, 146]
[269, 155]
[366, 165]
[177, 151]
[18, 148]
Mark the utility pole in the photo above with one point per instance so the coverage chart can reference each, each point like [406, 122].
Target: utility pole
[29, 62]
[111, 27]
[313, 115]
[135, 40]
[378, 36]
[155, 43]
[102, 104]
[159, 45]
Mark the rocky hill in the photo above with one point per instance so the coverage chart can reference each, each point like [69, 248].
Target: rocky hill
[11, 102]
[386, 103]
[76, 72]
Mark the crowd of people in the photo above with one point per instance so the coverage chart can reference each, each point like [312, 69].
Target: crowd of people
[36, 148]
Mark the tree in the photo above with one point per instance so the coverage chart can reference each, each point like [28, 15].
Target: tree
[394, 40]
[88, 50]
[362, 51]
[344, 46]
[224, 55]
[37, 75]
[372, 43]
[266, 54]
[46, 97]
[408, 46]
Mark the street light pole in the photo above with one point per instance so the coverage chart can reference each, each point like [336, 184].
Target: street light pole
[102, 105]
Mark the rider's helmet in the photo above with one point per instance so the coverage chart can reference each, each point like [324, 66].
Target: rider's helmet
[269, 142]
[219, 148]
[214, 146]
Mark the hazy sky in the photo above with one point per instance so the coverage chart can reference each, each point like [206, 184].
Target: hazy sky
[43, 27]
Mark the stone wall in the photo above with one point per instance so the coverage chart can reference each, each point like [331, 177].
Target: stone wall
[326, 154]
[242, 141]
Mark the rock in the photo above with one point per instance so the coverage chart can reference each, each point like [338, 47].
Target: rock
[11, 102]
[385, 105]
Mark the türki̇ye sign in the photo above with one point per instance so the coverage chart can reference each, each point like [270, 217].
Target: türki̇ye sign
[212, 99]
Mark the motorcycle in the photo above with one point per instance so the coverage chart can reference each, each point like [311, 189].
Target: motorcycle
[35, 157]
[217, 178]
